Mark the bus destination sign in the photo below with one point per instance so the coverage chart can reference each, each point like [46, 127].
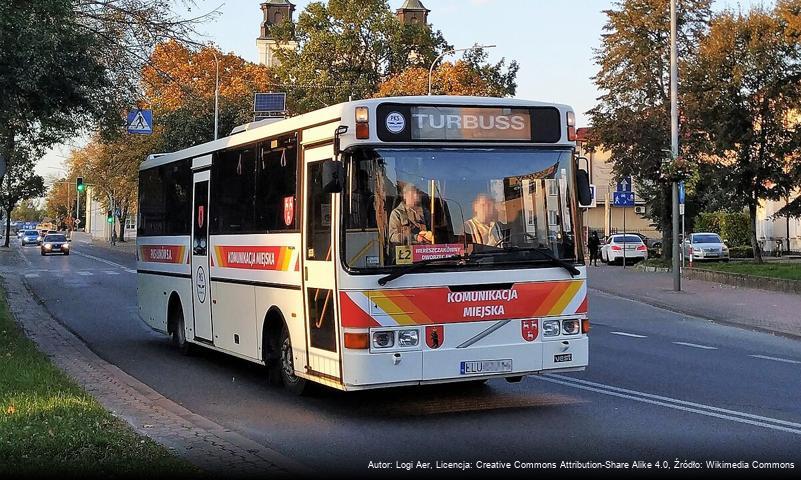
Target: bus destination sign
[399, 123]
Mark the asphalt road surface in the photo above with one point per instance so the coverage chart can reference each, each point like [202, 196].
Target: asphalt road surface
[660, 387]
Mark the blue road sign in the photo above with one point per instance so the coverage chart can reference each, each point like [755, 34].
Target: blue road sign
[624, 185]
[623, 199]
[140, 122]
[681, 193]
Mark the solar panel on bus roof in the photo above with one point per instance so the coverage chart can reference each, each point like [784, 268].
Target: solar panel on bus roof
[269, 102]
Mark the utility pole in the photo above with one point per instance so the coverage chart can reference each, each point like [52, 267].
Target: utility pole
[674, 142]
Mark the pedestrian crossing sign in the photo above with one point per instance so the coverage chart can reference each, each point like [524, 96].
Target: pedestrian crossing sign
[140, 122]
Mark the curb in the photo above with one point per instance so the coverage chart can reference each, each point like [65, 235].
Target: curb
[747, 281]
[198, 440]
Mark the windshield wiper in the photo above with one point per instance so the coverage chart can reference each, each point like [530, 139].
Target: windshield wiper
[544, 251]
[416, 266]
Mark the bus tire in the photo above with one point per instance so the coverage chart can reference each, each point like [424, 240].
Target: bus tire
[179, 331]
[292, 383]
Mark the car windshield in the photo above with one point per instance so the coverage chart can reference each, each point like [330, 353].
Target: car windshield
[31, 232]
[55, 238]
[403, 206]
[626, 239]
[707, 238]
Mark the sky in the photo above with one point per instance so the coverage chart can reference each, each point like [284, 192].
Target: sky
[552, 40]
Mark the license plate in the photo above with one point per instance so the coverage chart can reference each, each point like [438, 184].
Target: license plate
[485, 366]
[565, 357]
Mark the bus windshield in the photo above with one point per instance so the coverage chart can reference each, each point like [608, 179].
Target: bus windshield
[406, 205]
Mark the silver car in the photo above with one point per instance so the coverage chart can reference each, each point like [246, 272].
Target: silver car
[705, 246]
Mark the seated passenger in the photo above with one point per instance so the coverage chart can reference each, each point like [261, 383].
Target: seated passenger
[408, 222]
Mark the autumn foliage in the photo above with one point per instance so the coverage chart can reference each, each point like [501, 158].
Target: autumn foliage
[448, 79]
[177, 76]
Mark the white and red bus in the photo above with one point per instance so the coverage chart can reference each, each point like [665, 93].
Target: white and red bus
[375, 243]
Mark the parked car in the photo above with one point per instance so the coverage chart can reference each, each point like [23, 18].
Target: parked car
[613, 248]
[55, 243]
[705, 246]
[30, 237]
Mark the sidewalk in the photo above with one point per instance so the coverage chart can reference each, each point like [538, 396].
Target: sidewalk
[82, 238]
[213, 448]
[762, 310]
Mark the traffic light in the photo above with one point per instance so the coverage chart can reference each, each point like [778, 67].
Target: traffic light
[80, 185]
[109, 217]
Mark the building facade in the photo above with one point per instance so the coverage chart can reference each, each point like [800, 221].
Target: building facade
[604, 217]
[773, 231]
[275, 12]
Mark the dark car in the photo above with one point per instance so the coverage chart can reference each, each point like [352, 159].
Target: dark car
[30, 237]
[55, 243]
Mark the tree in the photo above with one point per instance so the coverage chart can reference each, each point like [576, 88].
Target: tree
[744, 93]
[345, 49]
[19, 183]
[111, 166]
[447, 79]
[27, 211]
[51, 79]
[632, 118]
[60, 203]
[179, 82]
[471, 76]
[129, 31]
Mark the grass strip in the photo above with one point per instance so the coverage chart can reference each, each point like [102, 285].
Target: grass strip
[787, 271]
[50, 426]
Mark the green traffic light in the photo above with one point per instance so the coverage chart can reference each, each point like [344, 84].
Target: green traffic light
[81, 188]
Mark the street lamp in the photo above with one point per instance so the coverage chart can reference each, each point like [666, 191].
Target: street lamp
[448, 52]
[674, 143]
[216, 92]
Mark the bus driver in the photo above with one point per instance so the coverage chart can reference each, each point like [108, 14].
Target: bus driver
[408, 221]
[484, 227]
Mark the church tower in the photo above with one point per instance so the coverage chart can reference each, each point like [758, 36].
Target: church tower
[413, 12]
[275, 12]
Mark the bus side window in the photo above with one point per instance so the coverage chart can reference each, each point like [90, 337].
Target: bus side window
[276, 189]
[318, 221]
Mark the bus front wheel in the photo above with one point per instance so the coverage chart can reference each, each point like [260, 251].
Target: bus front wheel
[179, 333]
[292, 382]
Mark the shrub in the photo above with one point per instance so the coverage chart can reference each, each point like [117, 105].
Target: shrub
[741, 251]
[734, 228]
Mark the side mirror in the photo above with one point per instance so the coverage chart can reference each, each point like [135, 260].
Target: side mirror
[333, 176]
[583, 184]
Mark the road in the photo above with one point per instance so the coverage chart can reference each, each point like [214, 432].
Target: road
[661, 386]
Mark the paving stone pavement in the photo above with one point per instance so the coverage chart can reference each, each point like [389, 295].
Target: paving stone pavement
[209, 446]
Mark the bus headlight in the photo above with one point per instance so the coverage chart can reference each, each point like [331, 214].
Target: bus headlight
[571, 327]
[408, 338]
[385, 339]
[550, 328]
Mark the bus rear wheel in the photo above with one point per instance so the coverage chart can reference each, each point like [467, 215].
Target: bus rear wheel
[292, 382]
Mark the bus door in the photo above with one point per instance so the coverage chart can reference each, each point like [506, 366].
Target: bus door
[201, 298]
[319, 252]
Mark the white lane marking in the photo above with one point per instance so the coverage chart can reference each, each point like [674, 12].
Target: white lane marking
[776, 359]
[107, 262]
[633, 335]
[699, 408]
[695, 345]
[24, 258]
[31, 275]
[111, 272]
[84, 273]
